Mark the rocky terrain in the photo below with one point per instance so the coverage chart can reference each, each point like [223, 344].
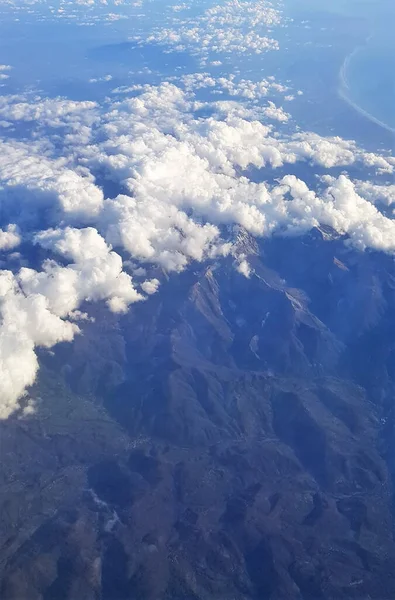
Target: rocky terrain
[231, 438]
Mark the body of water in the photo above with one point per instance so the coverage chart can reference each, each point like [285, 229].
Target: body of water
[367, 78]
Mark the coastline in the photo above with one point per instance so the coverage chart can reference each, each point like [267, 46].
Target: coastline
[344, 89]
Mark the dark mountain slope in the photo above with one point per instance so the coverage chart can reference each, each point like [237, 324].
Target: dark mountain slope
[230, 438]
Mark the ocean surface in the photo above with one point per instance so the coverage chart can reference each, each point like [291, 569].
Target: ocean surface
[368, 79]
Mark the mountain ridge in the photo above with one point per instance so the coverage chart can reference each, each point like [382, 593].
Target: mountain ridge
[224, 439]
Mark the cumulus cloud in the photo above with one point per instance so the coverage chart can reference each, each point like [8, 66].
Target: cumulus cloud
[342, 208]
[150, 286]
[183, 177]
[243, 268]
[84, 12]
[232, 27]
[75, 244]
[182, 171]
[26, 322]
[380, 194]
[32, 184]
[55, 112]
[100, 79]
[242, 88]
[35, 306]
[276, 112]
[78, 315]
[95, 273]
[3, 72]
[9, 238]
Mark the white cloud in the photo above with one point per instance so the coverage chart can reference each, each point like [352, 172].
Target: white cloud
[100, 79]
[52, 112]
[326, 152]
[375, 193]
[179, 7]
[35, 306]
[81, 12]
[76, 244]
[183, 177]
[243, 268]
[26, 322]
[3, 74]
[150, 286]
[31, 183]
[384, 194]
[10, 238]
[276, 112]
[96, 273]
[77, 315]
[232, 27]
[242, 88]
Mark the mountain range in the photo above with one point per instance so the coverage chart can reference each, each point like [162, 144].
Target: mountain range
[230, 438]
